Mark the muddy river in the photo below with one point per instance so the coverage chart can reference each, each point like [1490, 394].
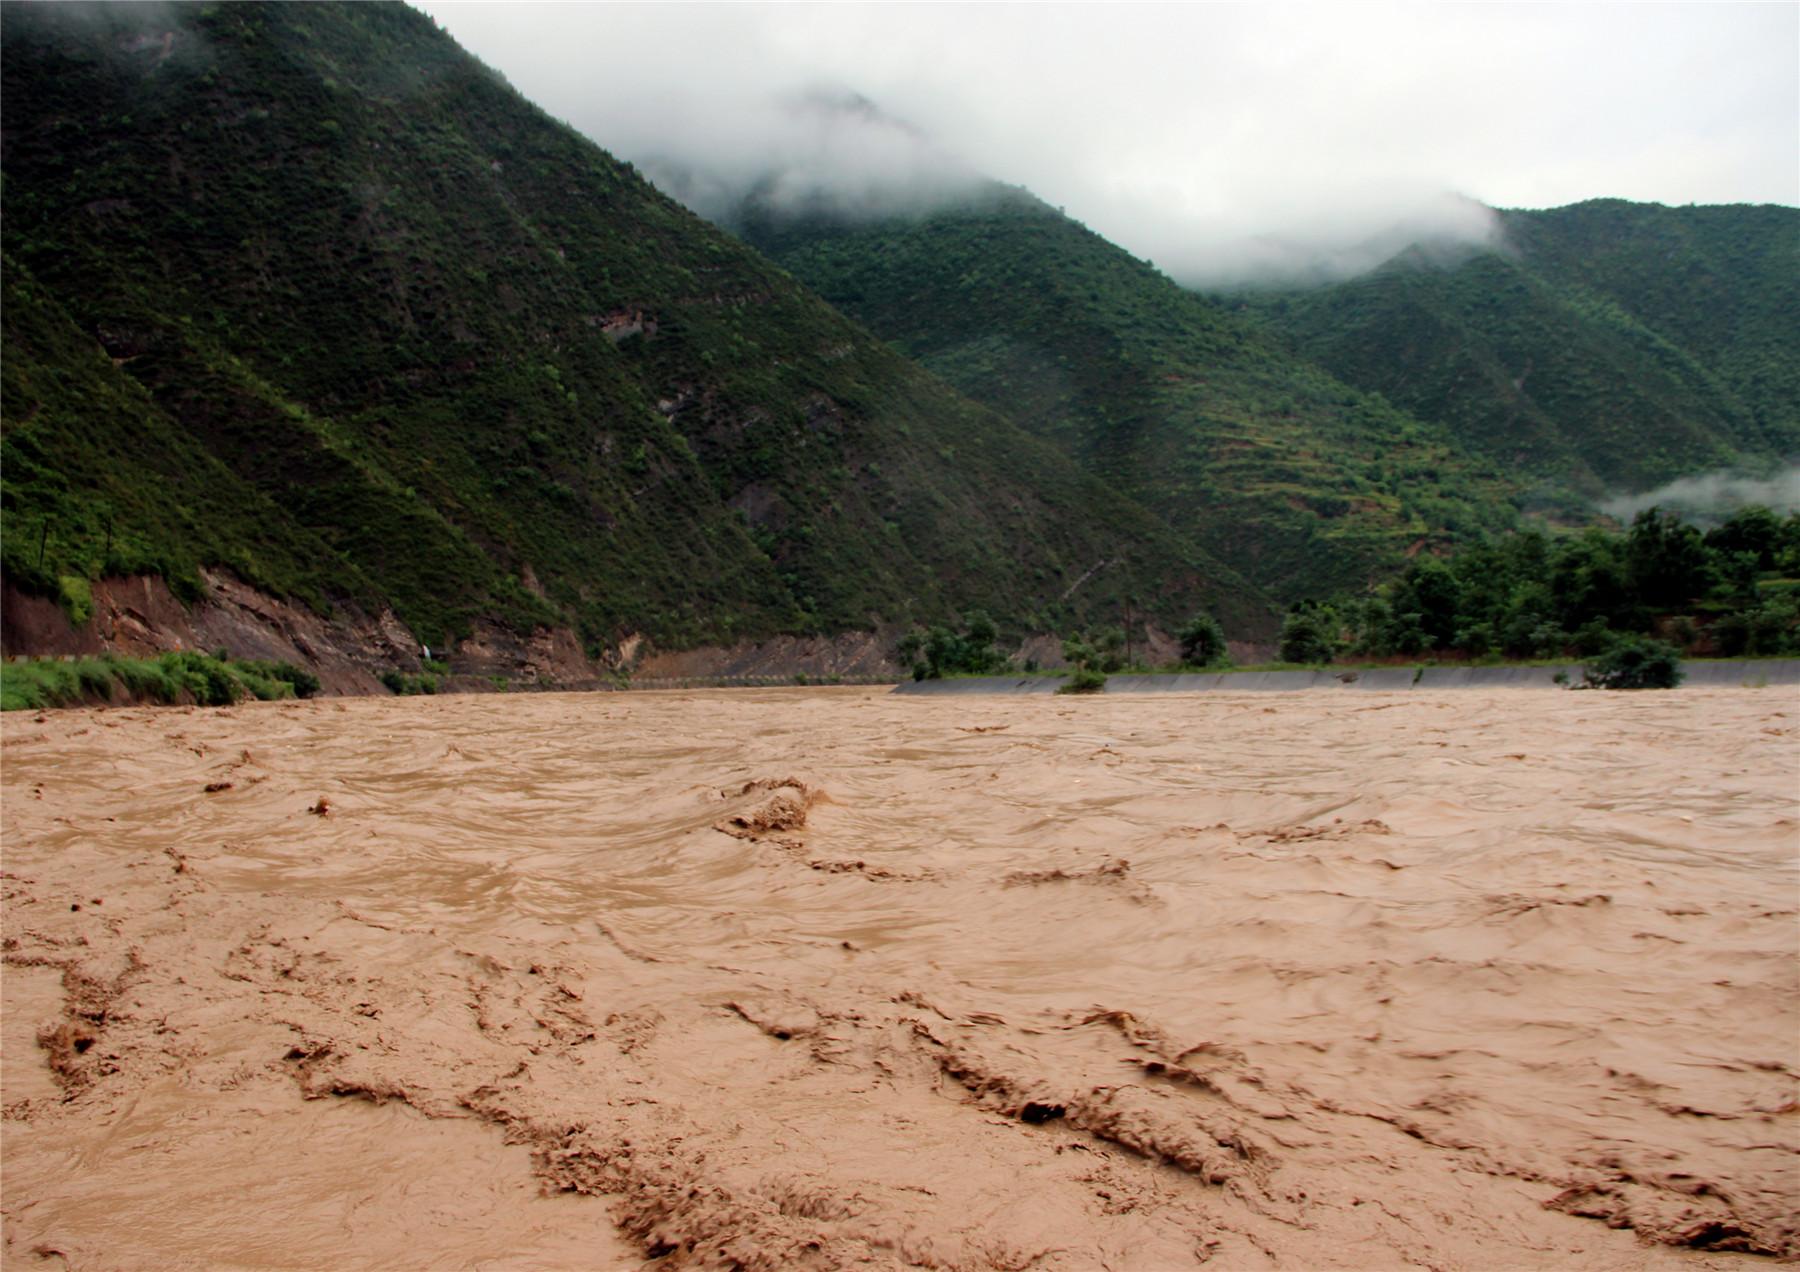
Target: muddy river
[821, 978]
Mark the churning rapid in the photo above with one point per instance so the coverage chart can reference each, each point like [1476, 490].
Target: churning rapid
[828, 978]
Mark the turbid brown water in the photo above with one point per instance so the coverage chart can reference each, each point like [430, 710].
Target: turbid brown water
[819, 978]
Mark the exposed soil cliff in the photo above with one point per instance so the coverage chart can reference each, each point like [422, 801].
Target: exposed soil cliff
[350, 650]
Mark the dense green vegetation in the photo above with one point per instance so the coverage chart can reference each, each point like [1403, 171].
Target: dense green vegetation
[1296, 478]
[209, 680]
[1086, 670]
[1609, 346]
[1635, 663]
[1203, 642]
[1732, 590]
[941, 651]
[305, 292]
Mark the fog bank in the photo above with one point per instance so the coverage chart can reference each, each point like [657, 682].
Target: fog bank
[1714, 496]
[1228, 144]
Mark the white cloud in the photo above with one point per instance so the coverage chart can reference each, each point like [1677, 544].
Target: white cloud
[1711, 497]
[1213, 139]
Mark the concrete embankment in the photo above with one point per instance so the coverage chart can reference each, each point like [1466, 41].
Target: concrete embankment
[1779, 671]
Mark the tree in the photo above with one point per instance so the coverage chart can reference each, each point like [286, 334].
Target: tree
[1430, 590]
[1109, 649]
[1755, 529]
[1587, 580]
[1089, 675]
[1635, 663]
[1306, 637]
[1202, 641]
[941, 652]
[1665, 560]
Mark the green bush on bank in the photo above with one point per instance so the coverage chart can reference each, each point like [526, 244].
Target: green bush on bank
[1306, 637]
[408, 686]
[1092, 659]
[208, 680]
[939, 652]
[1203, 643]
[1635, 663]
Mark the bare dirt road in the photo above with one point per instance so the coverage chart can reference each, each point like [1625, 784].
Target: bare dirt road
[828, 978]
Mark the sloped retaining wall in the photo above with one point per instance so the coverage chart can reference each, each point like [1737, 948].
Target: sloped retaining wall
[1780, 671]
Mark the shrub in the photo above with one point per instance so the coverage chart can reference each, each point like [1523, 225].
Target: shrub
[1083, 680]
[262, 687]
[1305, 638]
[304, 682]
[76, 598]
[1593, 637]
[1090, 662]
[1202, 641]
[1635, 663]
[941, 652]
[406, 686]
[1108, 645]
[1476, 640]
[207, 679]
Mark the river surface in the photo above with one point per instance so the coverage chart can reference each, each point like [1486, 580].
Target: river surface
[822, 978]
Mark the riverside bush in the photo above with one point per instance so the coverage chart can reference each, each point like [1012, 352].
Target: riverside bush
[1203, 642]
[1635, 663]
[941, 652]
[1306, 637]
[181, 676]
[1090, 660]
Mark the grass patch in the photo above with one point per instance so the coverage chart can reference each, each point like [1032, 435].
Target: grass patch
[407, 686]
[179, 677]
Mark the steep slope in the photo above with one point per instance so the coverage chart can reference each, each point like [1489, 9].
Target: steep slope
[306, 291]
[99, 479]
[1302, 481]
[1612, 345]
[1721, 283]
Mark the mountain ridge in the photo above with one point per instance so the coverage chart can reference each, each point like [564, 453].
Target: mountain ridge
[1611, 345]
[448, 356]
[1192, 410]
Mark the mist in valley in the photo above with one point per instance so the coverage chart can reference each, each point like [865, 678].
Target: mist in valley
[1711, 497]
[1231, 146]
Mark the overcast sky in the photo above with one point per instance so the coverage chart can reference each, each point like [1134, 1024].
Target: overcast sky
[1216, 140]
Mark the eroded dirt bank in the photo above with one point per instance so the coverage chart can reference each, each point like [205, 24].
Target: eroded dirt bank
[830, 978]
[139, 616]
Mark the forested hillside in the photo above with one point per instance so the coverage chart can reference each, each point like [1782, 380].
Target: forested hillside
[307, 292]
[1302, 481]
[1608, 346]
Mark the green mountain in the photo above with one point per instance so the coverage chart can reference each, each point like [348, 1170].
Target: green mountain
[307, 292]
[1307, 484]
[1608, 345]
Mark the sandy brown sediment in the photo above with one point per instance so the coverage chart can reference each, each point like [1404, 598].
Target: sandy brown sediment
[830, 979]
